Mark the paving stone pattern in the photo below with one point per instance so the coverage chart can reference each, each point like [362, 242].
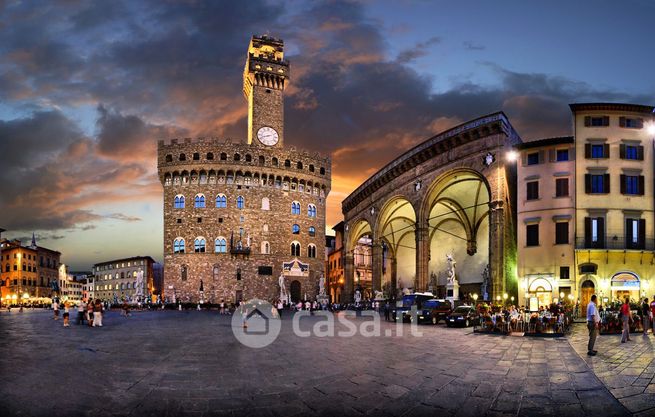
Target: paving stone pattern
[170, 363]
[626, 369]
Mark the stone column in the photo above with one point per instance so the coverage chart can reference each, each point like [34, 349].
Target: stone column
[376, 267]
[422, 255]
[497, 248]
[393, 264]
[348, 276]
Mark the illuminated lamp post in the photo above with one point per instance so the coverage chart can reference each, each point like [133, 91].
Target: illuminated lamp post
[505, 296]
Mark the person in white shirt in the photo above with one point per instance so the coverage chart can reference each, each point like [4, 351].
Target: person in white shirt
[593, 324]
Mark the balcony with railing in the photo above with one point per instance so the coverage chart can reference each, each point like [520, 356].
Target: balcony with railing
[615, 243]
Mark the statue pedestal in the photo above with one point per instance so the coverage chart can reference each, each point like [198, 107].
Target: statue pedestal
[452, 292]
[323, 301]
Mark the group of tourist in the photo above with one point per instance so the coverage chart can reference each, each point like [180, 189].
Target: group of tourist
[90, 312]
[646, 310]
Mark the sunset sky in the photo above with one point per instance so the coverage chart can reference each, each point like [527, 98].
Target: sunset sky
[87, 88]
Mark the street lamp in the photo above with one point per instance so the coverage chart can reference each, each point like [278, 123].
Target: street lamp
[475, 297]
[511, 156]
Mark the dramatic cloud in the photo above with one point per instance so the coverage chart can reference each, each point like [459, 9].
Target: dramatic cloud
[85, 97]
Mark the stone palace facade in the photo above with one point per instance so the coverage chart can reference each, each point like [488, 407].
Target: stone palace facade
[239, 215]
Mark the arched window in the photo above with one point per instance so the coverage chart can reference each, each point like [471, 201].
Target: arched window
[183, 272]
[123, 286]
[274, 162]
[240, 202]
[295, 229]
[199, 245]
[178, 245]
[223, 156]
[220, 245]
[311, 168]
[287, 163]
[266, 248]
[248, 157]
[182, 157]
[311, 210]
[237, 157]
[262, 160]
[169, 158]
[215, 271]
[322, 171]
[312, 231]
[295, 249]
[265, 228]
[179, 202]
[199, 201]
[221, 201]
[311, 251]
[295, 207]
[196, 156]
[299, 165]
[210, 156]
[266, 204]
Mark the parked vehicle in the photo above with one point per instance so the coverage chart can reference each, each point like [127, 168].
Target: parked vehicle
[434, 310]
[463, 316]
[403, 311]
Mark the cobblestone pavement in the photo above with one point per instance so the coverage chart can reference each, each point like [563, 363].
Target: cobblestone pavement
[170, 363]
[627, 369]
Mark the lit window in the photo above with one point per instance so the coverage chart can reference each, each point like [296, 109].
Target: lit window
[221, 201]
[199, 245]
[240, 202]
[312, 231]
[220, 245]
[179, 202]
[295, 229]
[311, 210]
[266, 205]
[199, 201]
[178, 246]
[295, 207]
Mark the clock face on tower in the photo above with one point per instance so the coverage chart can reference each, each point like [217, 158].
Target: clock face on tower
[267, 136]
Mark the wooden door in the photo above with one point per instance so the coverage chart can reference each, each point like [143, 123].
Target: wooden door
[586, 292]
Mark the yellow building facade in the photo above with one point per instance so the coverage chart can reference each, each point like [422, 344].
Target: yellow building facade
[615, 203]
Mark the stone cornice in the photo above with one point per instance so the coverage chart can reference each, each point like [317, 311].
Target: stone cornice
[496, 123]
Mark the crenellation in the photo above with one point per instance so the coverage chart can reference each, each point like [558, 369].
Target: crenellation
[241, 205]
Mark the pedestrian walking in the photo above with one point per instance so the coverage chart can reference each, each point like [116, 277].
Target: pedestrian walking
[593, 322]
[55, 307]
[97, 313]
[627, 319]
[66, 315]
[652, 314]
[89, 312]
[81, 309]
[386, 311]
[126, 309]
[280, 307]
[222, 307]
[645, 315]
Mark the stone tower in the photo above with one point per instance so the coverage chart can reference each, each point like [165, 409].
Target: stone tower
[264, 77]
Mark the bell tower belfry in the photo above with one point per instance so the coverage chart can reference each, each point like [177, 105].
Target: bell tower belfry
[264, 77]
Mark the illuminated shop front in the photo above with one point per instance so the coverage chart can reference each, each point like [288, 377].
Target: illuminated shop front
[625, 284]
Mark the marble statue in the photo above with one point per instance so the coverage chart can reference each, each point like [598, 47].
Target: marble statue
[321, 286]
[139, 284]
[452, 278]
[283, 289]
